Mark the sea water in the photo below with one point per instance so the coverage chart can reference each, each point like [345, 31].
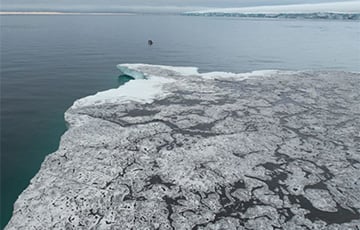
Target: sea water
[47, 62]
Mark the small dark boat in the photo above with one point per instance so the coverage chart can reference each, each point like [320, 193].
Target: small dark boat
[150, 42]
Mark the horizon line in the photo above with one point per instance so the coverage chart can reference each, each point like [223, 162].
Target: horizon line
[63, 13]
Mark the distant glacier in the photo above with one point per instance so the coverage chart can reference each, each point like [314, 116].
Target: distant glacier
[336, 11]
[331, 16]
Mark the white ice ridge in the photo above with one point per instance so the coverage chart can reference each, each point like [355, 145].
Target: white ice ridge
[138, 71]
[148, 86]
[141, 90]
[333, 7]
[133, 70]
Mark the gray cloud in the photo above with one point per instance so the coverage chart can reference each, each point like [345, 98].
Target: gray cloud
[139, 5]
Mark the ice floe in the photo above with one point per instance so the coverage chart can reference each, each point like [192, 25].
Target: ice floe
[181, 149]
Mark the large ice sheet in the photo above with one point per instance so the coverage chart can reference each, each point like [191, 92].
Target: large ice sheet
[205, 151]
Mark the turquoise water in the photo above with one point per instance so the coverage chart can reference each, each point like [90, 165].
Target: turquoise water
[47, 62]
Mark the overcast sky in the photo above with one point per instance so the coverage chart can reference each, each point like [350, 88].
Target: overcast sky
[140, 5]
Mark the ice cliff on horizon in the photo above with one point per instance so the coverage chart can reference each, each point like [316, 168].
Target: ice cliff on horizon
[183, 150]
[349, 10]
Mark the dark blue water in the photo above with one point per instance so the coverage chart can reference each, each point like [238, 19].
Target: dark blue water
[49, 61]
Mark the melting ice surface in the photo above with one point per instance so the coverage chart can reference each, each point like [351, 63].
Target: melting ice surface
[338, 10]
[179, 149]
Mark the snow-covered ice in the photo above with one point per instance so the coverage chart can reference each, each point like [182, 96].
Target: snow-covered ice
[181, 149]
